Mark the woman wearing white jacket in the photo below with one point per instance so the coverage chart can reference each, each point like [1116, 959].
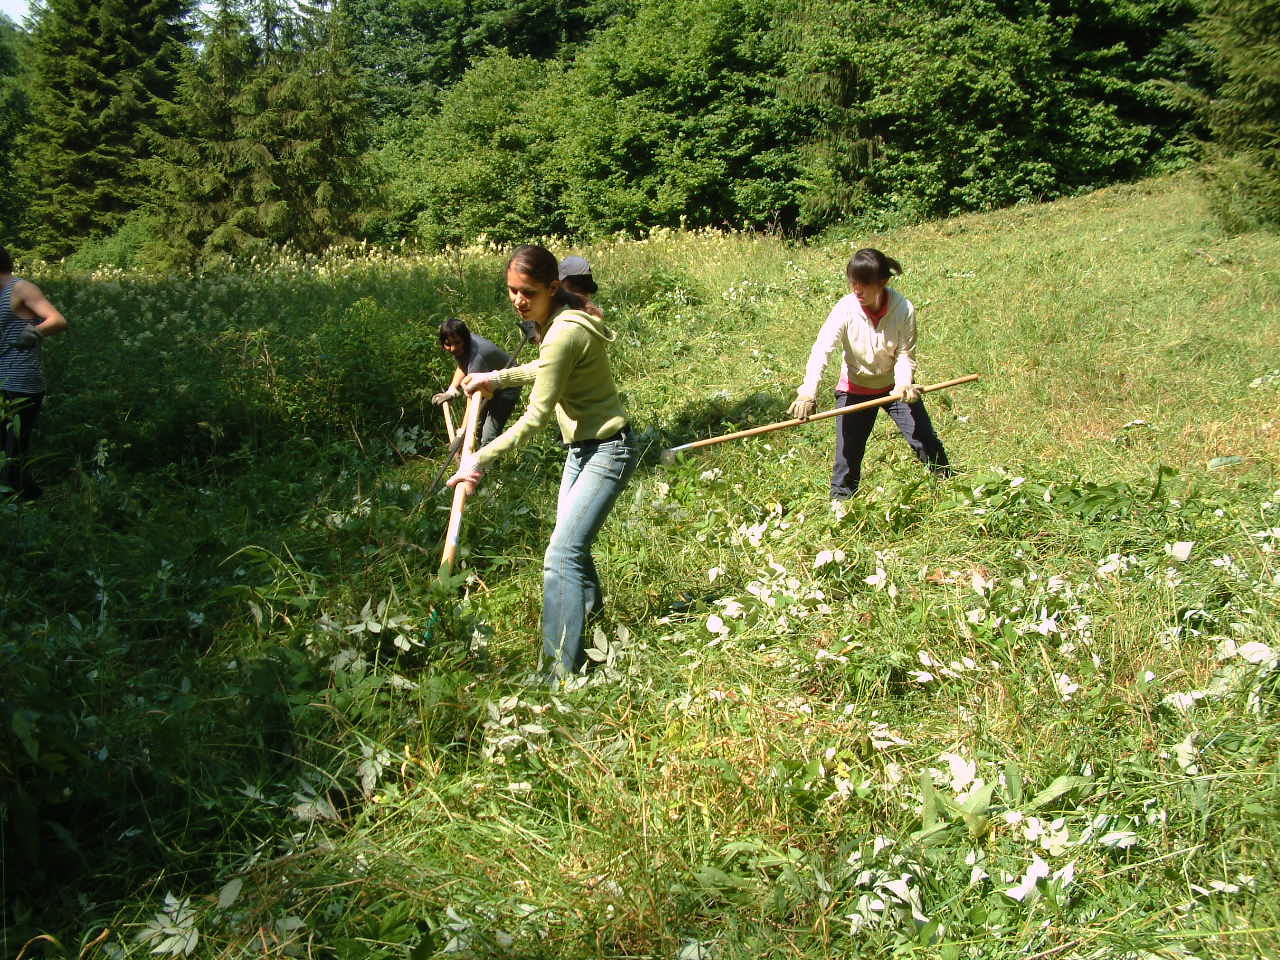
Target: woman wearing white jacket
[876, 327]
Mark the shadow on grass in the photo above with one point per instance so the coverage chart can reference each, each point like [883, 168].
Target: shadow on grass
[711, 417]
[159, 668]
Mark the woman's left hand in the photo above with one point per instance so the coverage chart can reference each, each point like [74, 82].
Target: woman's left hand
[482, 382]
[468, 473]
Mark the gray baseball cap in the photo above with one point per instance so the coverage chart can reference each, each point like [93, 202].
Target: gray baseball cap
[574, 267]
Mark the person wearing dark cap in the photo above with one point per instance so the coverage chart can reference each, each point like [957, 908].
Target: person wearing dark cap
[575, 276]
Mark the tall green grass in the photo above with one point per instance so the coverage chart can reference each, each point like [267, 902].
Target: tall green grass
[1028, 712]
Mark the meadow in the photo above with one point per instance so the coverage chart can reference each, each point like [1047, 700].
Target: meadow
[1031, 711]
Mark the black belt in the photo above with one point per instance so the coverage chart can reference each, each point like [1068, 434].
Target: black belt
[623, 434]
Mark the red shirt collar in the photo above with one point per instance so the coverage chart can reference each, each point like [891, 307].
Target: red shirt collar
[876, 316]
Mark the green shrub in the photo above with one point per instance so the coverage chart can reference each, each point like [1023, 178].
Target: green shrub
[122, 250]
[929, 109]
[671, 119]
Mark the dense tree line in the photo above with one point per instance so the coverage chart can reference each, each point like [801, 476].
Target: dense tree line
[13, 119]
[266, 131]
[182, 135]
[97, 67]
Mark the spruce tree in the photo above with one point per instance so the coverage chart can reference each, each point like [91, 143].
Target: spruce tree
[270, 126]
[97, 68]
[1242, 166]
[13, 119]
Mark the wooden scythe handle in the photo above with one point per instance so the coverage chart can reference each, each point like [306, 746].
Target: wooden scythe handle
[670, 453]
[447, 407]
[475, 403]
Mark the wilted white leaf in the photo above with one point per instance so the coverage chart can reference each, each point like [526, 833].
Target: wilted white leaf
[229, 892]
[962, 771]
[1119, 839]
[696, 950]
[1035, 873]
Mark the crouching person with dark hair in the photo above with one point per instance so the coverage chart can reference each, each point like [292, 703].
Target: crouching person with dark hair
[474, 354]
[26, 318]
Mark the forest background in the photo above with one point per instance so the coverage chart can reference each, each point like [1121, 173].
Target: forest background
[166, 134]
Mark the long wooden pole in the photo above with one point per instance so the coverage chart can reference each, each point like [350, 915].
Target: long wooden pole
[463, 490]
[447, 407]
[670, 454]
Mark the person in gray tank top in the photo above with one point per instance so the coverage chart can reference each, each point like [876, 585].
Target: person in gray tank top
[473, 353]
[26, 318]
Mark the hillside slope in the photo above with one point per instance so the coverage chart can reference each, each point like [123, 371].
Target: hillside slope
[1027, 712]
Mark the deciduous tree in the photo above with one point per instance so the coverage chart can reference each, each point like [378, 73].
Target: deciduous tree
[413, 50]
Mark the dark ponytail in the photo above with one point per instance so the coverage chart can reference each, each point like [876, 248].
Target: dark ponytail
[869, 265]
[541, 264]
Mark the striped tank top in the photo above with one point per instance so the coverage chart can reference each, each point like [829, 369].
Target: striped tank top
[21, 371]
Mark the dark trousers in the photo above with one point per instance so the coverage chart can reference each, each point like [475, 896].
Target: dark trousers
[496, 414]
[18, 422]
[853, 429]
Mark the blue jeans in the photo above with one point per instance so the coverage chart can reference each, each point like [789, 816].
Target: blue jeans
[853, 429]
[594, 475]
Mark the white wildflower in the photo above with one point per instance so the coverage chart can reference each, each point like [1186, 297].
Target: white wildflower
[1066, 686]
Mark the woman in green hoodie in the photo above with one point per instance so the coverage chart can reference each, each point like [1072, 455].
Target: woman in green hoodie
[571, 376]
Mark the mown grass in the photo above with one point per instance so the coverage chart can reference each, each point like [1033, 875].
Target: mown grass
[812, 734]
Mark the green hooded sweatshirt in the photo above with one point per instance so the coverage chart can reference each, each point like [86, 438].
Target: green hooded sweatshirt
[572, 375]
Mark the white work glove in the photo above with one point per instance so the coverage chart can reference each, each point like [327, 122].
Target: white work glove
[910, 393]
[482, 382]
[28, 338]
[803, 407]
[453, 393]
